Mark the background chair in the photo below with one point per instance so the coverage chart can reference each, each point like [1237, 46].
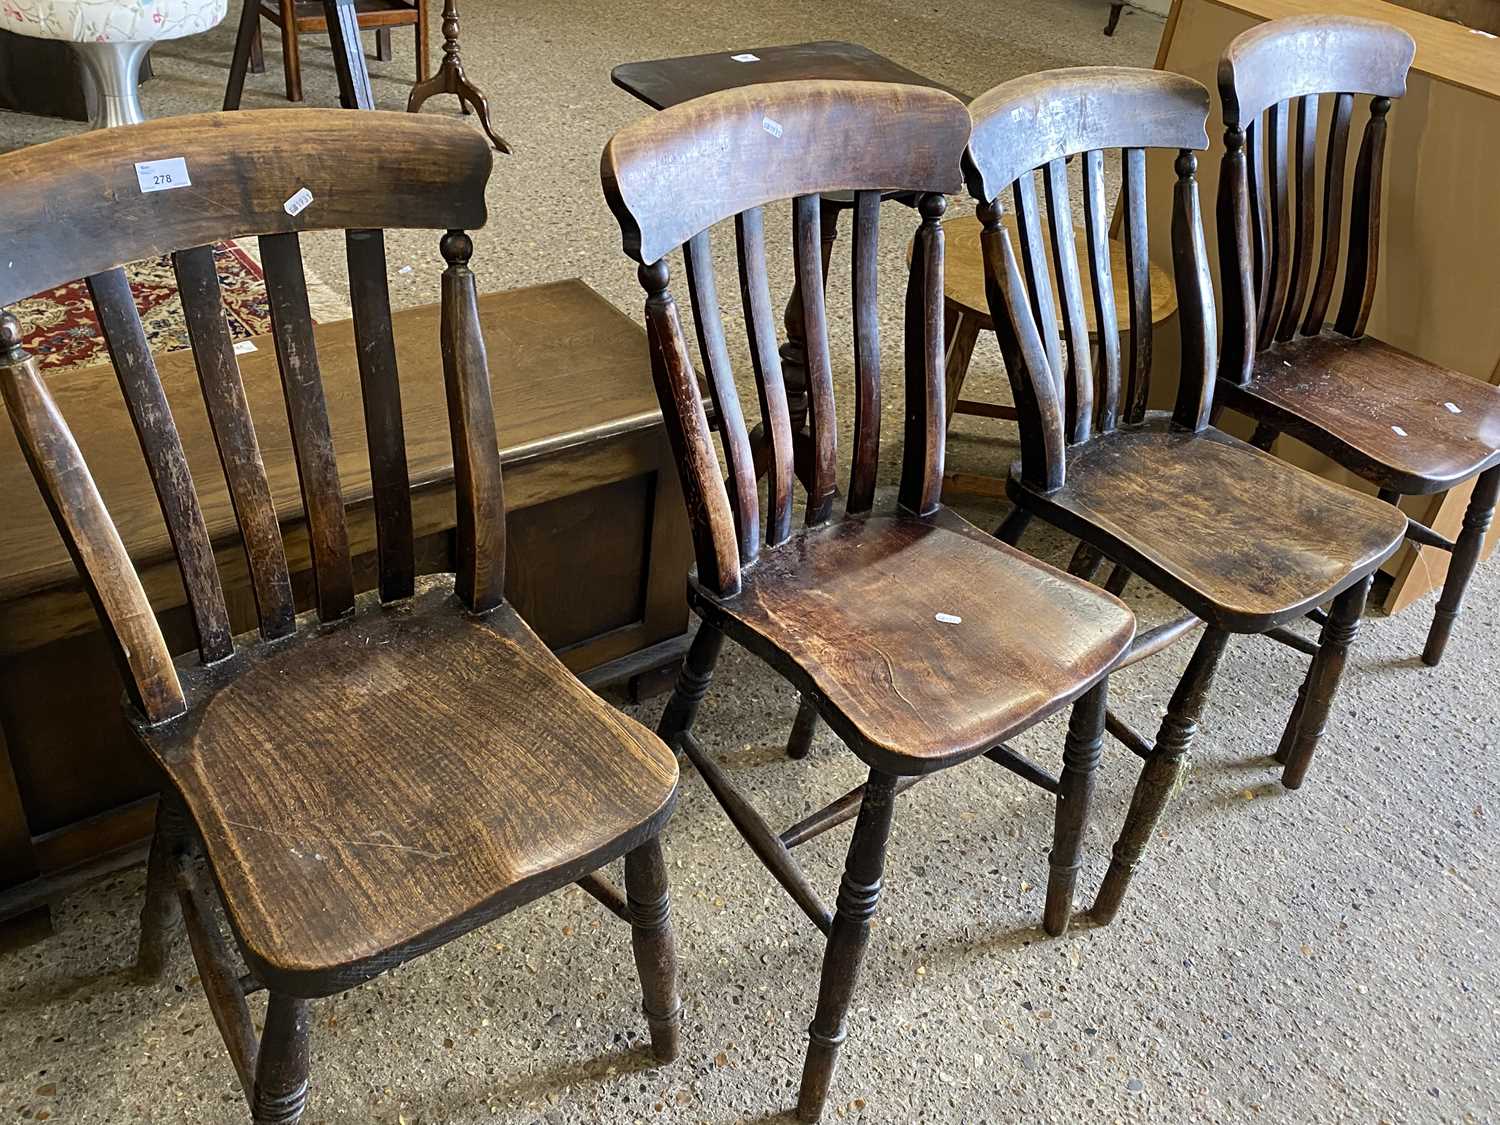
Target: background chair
[112, 39]
[921, 641]
[369, 781]
[1409, 427]
[1244, 542]
[293, 17]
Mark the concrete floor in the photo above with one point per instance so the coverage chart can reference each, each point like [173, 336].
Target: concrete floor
[1321, 956]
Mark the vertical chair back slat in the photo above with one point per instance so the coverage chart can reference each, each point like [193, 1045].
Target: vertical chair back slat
[765, 360]
[130, 353]
[926, 414]
[1304, 181]
[307, 414]
[1237, 258]
[90, 535]
[1364, 225]
[1101, 274]
[1034, 259]
[1039, 405]
[380, 392]
[1195, 302]
[480, 581]
[234, 436]
[807, 246]
[1260, 241]
[1079, 378]
[703, 292]
[866, 453]
[1278, 165]
[1263, 71]
[1331, 240]
[1138, 278]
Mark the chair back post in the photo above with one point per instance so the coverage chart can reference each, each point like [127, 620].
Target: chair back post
[1268, 215]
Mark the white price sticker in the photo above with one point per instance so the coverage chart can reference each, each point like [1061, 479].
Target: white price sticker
[746, 57]
[1452, 407]
[772, 127]
[244, 347]
[1398, 431]
[298, 203]
[948, 618]
[162, 175]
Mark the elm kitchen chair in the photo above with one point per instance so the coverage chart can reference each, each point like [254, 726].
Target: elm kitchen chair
[1407, 426]
[922, 641]
[370, 781]
[1241, 540]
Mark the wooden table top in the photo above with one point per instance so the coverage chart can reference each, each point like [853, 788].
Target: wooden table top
[566, 367]
[666, 82]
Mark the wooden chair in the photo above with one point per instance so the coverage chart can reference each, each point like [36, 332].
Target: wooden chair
[1409, 427]
[921, 641]
[373, 780]
[294, 17]
[1244, 542]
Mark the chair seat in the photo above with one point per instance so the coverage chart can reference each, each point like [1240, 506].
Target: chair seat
[923, 641]
[368, 791]
[1241, 539]
[93, 21]
[1346, 397]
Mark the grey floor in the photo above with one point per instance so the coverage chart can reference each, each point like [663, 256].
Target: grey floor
[1327, 955]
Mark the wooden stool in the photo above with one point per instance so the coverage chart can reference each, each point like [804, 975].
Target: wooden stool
[966, 314]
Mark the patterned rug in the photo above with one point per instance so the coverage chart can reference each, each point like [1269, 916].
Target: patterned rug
[62, 331]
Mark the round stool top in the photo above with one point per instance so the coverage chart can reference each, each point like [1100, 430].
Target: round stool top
[110, 21]
[963, 274]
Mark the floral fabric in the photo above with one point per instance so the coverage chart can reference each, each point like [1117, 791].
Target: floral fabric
[110, 21]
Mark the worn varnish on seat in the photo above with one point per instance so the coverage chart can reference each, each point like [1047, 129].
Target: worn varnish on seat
[1245, 543]
[1406, 425]
[918, 639]
[375, 778]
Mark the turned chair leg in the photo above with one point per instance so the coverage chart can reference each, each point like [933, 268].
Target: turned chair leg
[1310, 718]
[799, 742]
[1075, 791]
[1466, 551]
[161, 917]
[244, 53]
[649, 902]
[1161, 773]
[1013, 526]
[859, 893]
[281, 1070]
[692, 684]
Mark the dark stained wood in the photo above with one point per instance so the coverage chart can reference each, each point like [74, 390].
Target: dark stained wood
[1279, 211]
[1078, 375]
[378, 782]
[1466, 551]
[1220, 551]
[733, 437]
[1033, 260]
[823, 425]
[1305, 181]
[919, 640]
[1333, 213]
[342, 22]
[422, 174]
[234, 435]
[1102, 288]
[814, 608]
[370, 300]
[1364, 225]
[1081, 753]
[1310, 717]
[661, 83]
[1343, 396]
[1168, 498]
[866, 297]
[307, 414]
[451, 79]
[765, 358]
[658, 210]
[130, 354]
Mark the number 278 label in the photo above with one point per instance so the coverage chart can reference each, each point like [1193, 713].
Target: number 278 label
[162, 175]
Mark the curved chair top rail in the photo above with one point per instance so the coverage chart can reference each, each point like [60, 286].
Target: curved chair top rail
[1030, 121]
[776, 141]
[78, 206]
[1302, 55]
